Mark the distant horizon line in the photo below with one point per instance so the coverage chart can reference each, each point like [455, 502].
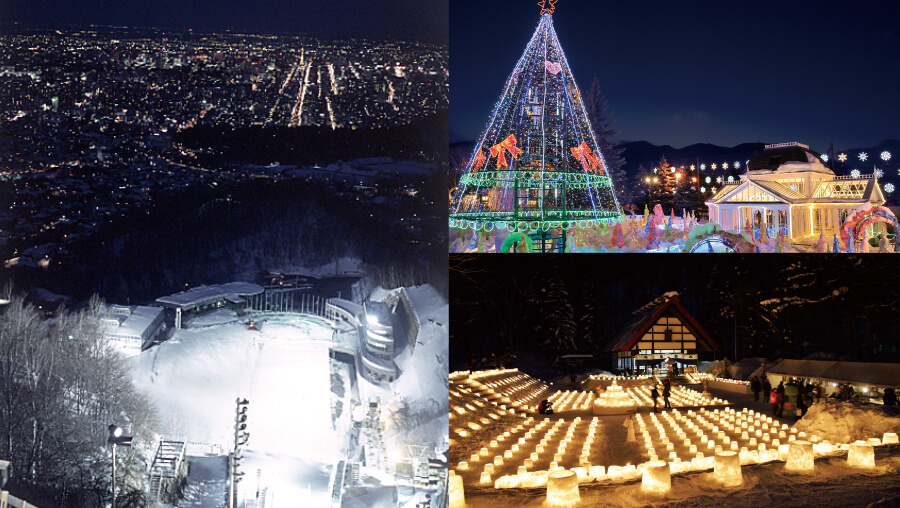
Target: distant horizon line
[625, 142]
[5, 24]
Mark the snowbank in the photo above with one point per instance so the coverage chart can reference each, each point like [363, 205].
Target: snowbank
[843, 421]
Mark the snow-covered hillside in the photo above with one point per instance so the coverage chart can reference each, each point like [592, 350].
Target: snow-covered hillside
[284, 370]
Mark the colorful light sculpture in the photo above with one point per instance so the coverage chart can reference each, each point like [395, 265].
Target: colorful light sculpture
[537, 166]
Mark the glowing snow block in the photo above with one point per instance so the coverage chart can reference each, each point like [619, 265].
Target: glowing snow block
[557, 458]
[489, 468]
[498, 460]
[457, 495]
[462, 432]
[861, 455]
[657, 478]
[874, 441]
[581, 473]
[529, 463]
[463, 466]
[534, 456]
[596, 471]
[486, 478]
[507, 482]
[562, 489]
[800, 457]
[727, 469]
[521, 470]
[890, 438]
[484, 452]
[734, 446]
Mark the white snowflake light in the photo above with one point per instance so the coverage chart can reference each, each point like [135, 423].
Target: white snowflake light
[702, 167]
[737, 164]
[842, 157]
[655, 170]
[863, 156]
[702, 189]
[708, 180]
[724, 165]
[718, 179]
[855, 173]
[692, 167]
[824, 157]
[878, 173]
[885, 156]
[672, 169]
[730, 179]
[889, 188]
[714, 166]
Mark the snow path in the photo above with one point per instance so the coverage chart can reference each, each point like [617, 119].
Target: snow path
[206, 483]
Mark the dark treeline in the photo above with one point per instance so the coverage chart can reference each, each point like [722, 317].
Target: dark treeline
[315, 145]
[753, 306]
[211, 235]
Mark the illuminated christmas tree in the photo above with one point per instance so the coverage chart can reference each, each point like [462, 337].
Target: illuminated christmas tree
[537, 167]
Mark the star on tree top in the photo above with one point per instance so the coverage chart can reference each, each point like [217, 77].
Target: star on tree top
[545, 9]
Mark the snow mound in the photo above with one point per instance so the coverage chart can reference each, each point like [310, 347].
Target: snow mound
[846, 421]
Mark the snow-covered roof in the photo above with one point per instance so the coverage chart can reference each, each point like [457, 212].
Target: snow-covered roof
[135, 322]
[786, 158]
[197, 295]
[875, 374]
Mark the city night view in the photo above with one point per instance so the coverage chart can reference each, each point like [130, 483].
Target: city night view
[224, 273]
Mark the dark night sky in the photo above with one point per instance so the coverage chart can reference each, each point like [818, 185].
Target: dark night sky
[423, 20]
[689, 72]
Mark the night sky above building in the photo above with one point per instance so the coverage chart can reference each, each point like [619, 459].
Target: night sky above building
[415, 20]
[680, 73]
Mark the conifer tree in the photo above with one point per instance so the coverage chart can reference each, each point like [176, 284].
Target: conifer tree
[663, 191]
[602, 123]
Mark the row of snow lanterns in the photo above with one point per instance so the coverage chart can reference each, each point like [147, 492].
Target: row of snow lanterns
[562, 484]
[680, 396]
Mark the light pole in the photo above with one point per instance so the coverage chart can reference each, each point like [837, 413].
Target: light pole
[116, 438]
[241, 436]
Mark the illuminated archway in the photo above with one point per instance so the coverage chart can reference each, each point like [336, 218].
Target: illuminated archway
[868, 216]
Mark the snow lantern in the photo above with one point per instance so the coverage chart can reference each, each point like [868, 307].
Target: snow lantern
[457, 495]
[486, 478]
[562, 489]
[463, 466]
[727, 469]
[890, 437]
[657, 478]
[861, 455]
[800, 457]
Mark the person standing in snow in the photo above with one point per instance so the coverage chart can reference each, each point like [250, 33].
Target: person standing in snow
[756, 388]
[655, 394]
[629, 425]
[801, 407]
[890, 397]
[773, 399]
[767, 388]
[818, 392]
[667, 390]
[779, 399]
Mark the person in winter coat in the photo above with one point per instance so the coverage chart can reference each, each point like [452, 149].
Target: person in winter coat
[667, 390]
[756, 388]
[767, 388]
[890, 397]
[818, 392]
[801, 408]
[773, 399]
[655, 394]
[545, 407]
[779, 400]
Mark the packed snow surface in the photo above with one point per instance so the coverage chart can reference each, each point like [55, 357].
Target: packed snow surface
[846, 421]
[283, 370]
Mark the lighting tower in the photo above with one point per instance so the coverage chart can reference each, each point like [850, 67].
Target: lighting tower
[241, 436]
